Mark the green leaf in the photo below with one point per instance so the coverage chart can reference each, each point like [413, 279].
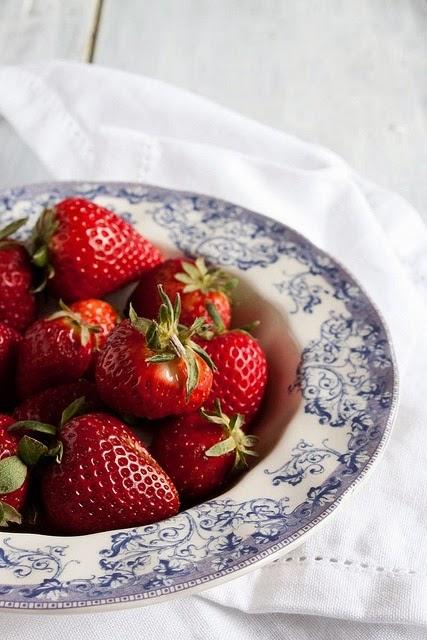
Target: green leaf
[216, 318]
[203, 354]
[177, 307]
[248, 328]
[40, 257]
[189, 288]
[33, 425]
[192, 372]
[184, 278]
[164, 314]
[140, 324]
[30, 450]
[151, 335]
[77, 407]
[191, 270]
[201, 265]
[8, 515]
[161, 357]
[212, 417]
[12, 474]
[12, 228]
[56, 451]
[221, 448]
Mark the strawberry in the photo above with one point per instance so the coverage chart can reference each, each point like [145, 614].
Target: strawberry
[57, 349]
[196, 283]
[153, 368]
[105, 480]
[240, 378]
[48, 405]
[97, 313]
[13, 475]
[200, 450]
[17, 302]
[9, 341]
[87, 251]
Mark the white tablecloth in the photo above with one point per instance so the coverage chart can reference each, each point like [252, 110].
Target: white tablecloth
[363, 575]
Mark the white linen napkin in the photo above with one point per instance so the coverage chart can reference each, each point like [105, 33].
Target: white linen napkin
[367, 564]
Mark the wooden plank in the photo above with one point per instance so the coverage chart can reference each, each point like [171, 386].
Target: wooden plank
[349, 75]
[33, 30]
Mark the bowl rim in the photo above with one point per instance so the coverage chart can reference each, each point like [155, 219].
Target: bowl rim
[288, 543]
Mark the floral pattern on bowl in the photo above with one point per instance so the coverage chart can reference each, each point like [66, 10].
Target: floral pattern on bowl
[330, 416]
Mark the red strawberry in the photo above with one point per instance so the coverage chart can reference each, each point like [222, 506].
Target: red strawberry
[196, 283]
[9, 341]
[58, 349]
[13, 475]
[153, 369]
[88, 251]
[17, 302]
[200, 450]
[241, 372]
[97, 313]
[106, 479]
[48, 405]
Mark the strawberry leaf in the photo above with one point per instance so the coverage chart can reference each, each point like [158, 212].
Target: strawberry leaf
[33, 425]
[11, 228]
[30, 450]
[192, 371]
[221, 448]
[8, 515]
[12, 474]
[77, 407]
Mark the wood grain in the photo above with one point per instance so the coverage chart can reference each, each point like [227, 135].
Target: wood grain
[348, 75]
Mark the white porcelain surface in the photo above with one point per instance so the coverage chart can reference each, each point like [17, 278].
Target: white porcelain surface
[330, 404]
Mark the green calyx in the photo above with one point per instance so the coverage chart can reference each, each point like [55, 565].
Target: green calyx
[198, 277]
[217, 327]
[11, 228]
[236, 439]
[8, 515]
[14, 469]
[45, 228]
[30, 450]
[76, 322]
[170, 340]
[13, 473]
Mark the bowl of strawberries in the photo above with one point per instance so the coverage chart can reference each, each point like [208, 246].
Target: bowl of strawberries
[187, 389]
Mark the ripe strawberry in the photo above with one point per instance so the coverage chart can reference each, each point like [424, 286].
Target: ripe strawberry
[9, 341]
[196, 283]
[199, 451]
[241, 371]
[97, 313]
[17, 302]
[88, 251]
[105, 480]
[153, 368]
[48, 405]
[58, 349]
[13, 475]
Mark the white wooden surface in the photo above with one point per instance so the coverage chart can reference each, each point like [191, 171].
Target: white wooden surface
[347, 74]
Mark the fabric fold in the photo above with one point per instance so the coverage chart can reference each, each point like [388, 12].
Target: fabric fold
[368, 563]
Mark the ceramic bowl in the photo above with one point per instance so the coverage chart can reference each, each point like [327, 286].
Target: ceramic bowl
[330, 403]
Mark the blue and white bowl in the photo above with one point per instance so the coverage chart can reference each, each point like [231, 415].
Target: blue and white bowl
[328, 413]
